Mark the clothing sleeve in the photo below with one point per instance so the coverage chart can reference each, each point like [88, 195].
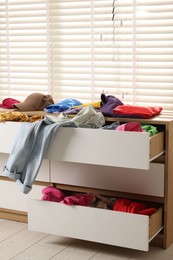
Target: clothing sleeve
[22, 148]
[26, 157]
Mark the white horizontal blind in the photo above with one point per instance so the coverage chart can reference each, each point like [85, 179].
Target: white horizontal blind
[23, 48]
[154, 53]
[71, 49]
[83, 51]
[124, 47]
[79, 48]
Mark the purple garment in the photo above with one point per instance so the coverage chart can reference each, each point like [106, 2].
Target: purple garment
[127, 116]
[74, 111]
[108, 103]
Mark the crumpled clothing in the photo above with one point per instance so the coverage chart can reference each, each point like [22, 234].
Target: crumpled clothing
[152, 130]
[29, 149]
[130, 126]
[83, 199]
[95, 104]
[137, 111]
[52, 194]
[8, 103]
[19, 117]
[33, 140]
[62, 105]
[86, 117]
[108, 103]
[89, 117]
[112, 126]
[56, 195]
[126, 205]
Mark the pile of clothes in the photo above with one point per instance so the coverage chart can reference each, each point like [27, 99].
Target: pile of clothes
[54, 194]
[108, 105]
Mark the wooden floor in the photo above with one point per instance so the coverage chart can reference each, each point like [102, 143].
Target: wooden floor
[18, 243]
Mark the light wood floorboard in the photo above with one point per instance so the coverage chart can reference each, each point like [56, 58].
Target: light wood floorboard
[18, 243]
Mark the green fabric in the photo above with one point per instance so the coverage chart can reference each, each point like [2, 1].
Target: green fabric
[152, 130]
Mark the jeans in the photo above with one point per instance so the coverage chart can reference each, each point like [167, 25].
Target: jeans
[29, 149]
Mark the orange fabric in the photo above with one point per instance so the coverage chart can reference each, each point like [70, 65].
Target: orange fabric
[129, 206]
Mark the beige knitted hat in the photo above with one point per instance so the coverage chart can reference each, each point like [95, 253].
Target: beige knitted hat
[34, 102]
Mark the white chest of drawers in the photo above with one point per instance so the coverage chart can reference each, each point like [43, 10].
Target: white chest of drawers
[109, 162]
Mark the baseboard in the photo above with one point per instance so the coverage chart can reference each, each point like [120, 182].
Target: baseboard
[14, 215]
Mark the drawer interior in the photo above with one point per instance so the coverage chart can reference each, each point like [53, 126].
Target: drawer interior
[155, 223]
[157, 145]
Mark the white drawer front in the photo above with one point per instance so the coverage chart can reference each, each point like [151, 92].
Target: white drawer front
[8, 132]
[12, 198]
[101, 147]
[98, 225]
[43, 174]
[92, 146]
[148, 182]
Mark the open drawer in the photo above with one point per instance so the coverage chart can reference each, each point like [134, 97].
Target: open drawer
[95, 146]
[94, 224]
[106, 147]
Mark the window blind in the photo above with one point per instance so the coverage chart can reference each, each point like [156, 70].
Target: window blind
[80, 48]
[121, 47]
[153, 53]
[23, 48]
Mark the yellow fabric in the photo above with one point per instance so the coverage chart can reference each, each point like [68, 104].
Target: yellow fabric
[95, 104]
[19, 117]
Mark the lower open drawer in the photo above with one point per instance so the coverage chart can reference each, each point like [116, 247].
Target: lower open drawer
[94, 224]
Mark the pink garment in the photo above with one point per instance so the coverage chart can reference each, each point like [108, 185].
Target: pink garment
[8, 103]
[130, 126]
[79, 199]
[52, 194]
